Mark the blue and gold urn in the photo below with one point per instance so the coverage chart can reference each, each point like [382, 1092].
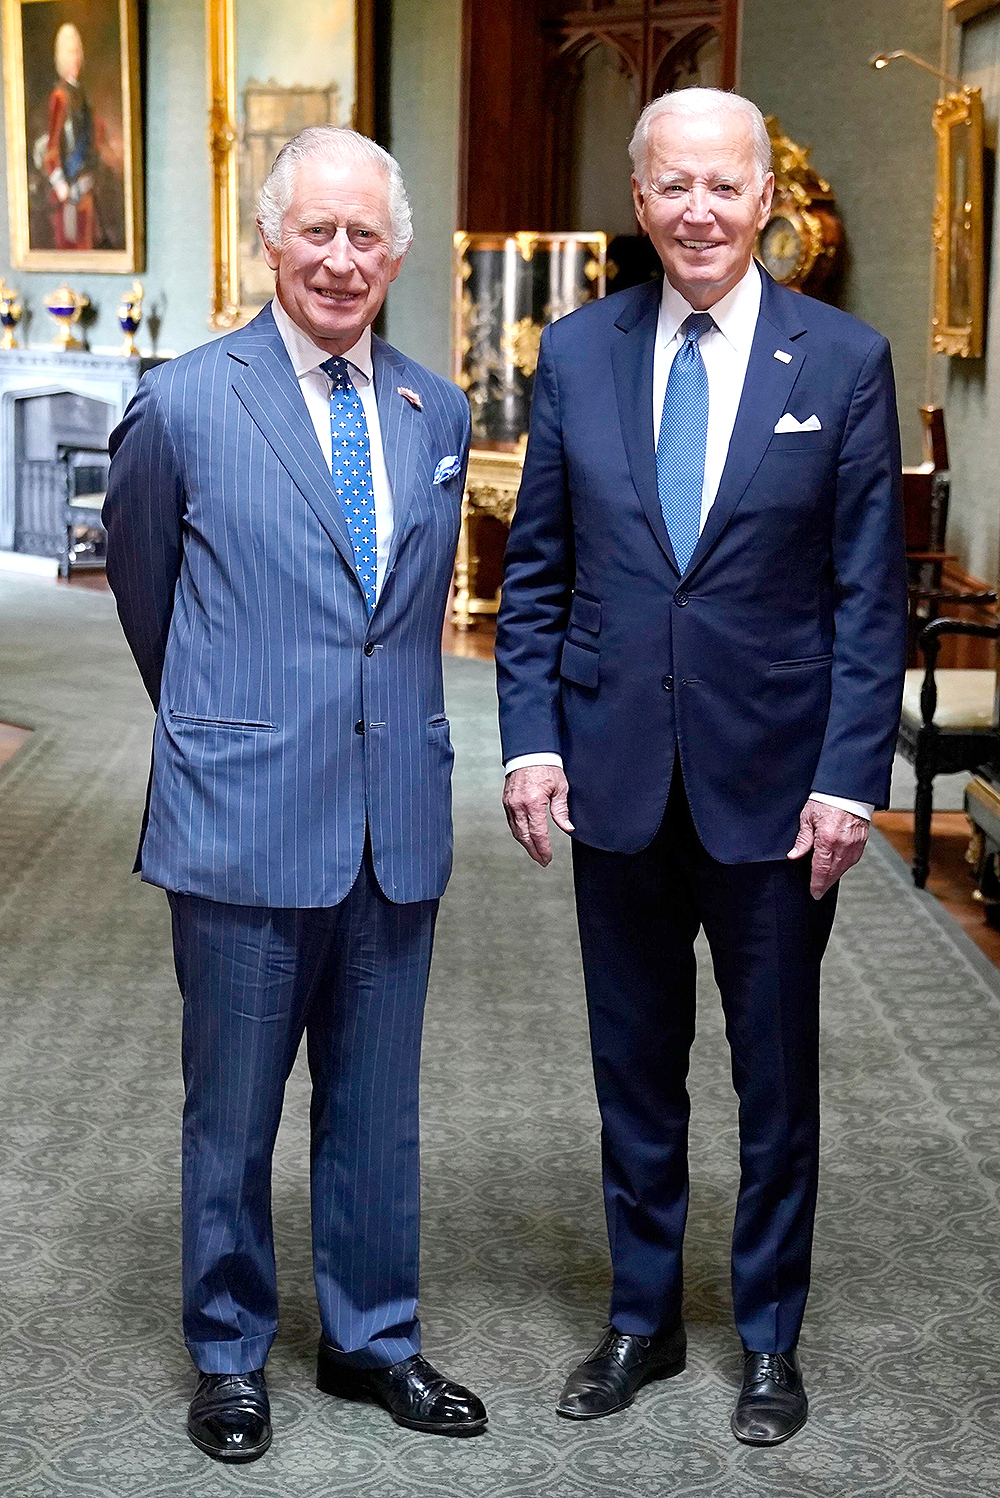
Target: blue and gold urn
[129, 317]
[64, 307]
[10, 314]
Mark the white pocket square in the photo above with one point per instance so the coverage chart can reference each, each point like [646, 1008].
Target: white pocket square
[446, 469]
[789, 424]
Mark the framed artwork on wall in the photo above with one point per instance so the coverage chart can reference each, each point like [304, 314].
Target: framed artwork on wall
[959, 251]
[265, 85]
[74, 148]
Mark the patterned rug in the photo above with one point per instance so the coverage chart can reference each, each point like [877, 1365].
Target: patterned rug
[901, 1346]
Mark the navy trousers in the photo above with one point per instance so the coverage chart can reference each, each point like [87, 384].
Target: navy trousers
[639, 915]
[354, 977]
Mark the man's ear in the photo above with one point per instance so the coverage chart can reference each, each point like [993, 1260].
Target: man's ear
[270, 253]
[639, 200]
[766, 199]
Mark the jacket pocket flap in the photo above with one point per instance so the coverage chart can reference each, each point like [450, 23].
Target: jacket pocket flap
[802, 664]
[586, 614]
[580, 664]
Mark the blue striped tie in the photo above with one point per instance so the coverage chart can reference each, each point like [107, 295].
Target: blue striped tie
[351, 467]
[680, 448]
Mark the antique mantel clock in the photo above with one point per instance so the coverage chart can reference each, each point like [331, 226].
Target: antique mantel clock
[802, 242]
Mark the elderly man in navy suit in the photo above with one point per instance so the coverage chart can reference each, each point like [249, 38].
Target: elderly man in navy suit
[282, 516]
[700, 654]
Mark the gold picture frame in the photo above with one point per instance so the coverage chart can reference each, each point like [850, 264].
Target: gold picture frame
[959, 253]
[74, 142]
[967, 10]
[251, 116]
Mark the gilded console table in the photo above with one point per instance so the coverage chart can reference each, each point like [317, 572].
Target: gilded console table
[491, 487]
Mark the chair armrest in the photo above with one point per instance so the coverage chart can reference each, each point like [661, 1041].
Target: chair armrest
[929, 640]
[950, 595]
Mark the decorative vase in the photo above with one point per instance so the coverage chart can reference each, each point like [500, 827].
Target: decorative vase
[64, 307]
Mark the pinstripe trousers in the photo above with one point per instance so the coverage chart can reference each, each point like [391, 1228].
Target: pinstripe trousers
[354, 977]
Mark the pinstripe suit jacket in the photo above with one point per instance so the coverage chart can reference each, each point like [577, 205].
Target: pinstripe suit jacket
[235, 581]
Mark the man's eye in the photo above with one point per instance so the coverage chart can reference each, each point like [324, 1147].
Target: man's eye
[726, 187]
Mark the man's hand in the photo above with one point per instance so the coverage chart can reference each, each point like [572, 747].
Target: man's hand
[837, 839]
[529, 794]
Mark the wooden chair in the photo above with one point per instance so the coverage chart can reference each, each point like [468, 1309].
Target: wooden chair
[926, 495]
[950, 721]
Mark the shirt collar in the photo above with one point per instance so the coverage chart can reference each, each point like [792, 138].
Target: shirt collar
[307, 356]
[735, 315]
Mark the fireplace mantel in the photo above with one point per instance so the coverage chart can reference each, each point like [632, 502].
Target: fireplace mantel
[108, 378]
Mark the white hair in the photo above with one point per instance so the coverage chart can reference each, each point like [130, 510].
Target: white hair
[693, 103]
[332, 143]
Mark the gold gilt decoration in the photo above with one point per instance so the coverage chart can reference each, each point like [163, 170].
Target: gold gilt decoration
[64, 307]
[526, 243]
[129, 318]
[959, 249]
[800, 242]
[10, 314]
[520, 343]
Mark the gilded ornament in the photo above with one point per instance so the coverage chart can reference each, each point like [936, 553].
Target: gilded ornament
[64, 307]
[520, 342]
[10, 314]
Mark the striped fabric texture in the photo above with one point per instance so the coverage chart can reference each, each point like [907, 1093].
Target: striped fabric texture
[289, 716]
[354, 979]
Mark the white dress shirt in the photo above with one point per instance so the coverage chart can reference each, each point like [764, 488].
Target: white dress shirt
[725, 349]
[306, 358]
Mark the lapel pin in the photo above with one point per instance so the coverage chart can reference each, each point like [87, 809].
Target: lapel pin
[779, 353]
[411, 396]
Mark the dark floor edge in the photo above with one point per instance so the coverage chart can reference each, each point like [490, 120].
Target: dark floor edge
[897, 866]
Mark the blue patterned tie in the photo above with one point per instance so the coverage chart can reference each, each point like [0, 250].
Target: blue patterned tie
[680, 448]
[351, 467]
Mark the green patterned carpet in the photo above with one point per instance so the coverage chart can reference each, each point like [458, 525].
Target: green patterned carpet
[902, 1340]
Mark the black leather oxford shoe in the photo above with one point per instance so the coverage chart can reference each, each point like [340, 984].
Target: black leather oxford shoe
[229, 1417]
[772, 1405]
[607, 1380]
[414, 1393]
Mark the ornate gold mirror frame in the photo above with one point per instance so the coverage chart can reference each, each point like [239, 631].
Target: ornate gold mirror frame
[281, 109]
[959, 254]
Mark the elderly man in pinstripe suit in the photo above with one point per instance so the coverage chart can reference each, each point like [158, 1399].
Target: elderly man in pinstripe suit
[282, 516]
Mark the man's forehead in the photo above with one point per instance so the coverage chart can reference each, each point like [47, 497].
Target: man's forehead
[676, 138]
[339, 189]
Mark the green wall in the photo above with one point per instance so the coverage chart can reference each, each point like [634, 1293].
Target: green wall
[871, 136]
[424, 83]
[423, 105]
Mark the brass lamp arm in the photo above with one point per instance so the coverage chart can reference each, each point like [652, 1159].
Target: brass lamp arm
[883, 59]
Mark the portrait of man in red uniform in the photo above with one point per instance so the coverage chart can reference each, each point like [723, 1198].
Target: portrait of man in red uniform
[74, 125]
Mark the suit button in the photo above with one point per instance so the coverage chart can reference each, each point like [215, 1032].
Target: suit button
[668, 683]
[359, 726]
[369, 648]
[680, 599]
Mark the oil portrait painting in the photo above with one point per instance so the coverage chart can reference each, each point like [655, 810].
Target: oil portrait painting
[72, 110]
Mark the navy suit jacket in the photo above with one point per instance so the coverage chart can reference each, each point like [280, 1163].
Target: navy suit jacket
[775, 665]
[236, 586]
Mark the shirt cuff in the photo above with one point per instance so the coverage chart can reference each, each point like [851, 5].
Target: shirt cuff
[521, 761]
[857, 808]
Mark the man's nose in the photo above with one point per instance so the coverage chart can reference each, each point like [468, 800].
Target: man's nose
[339, 253]
[698, 208]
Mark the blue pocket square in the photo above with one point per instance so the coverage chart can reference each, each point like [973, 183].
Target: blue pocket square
[446, 469]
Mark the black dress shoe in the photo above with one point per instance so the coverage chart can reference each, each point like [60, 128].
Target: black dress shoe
[772, 1405]
[414, 1393]
[230, 1417]
[620, 1364]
